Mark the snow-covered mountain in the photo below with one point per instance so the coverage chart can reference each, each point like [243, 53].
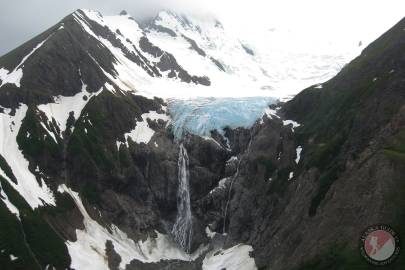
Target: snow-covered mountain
[82, 94]
[192, 57]
[295, 58]
[173, 56]
[103, 167]
[231, 66]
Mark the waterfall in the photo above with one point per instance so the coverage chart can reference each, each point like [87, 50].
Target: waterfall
[236, 175]
[183, 227]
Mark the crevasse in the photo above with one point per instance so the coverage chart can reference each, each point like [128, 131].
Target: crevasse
[202, 115]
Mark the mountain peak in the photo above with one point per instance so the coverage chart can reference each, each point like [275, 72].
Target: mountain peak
[118, 52]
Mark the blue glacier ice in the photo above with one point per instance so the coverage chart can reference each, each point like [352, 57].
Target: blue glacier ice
[202, 115]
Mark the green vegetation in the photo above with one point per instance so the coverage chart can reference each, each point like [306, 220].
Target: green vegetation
[54, 251]
[64, 204]
[6, 169]
[268, 166]
[323, 153]
[91, 146]
[124, 158]
[394, 155]
[91, 193]
[280, 183]
[25, 239]
[325, 182]
[33, 139]
[396, 149]
[12, 242]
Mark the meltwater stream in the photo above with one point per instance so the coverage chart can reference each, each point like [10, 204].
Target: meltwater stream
[183, 227]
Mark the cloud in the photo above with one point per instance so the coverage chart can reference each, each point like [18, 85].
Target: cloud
[21, 20]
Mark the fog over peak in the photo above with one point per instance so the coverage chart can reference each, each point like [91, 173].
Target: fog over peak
[21, 20]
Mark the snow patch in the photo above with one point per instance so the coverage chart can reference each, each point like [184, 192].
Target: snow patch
[13, 258]
[48, 131]
[36, 194]
[208, 138]
[62, 106]
[291, 122]
[142, 132]
[210, 234]
[221, 185]
[234, 258]
[15, 76]
[3, 196]
[291, 175]
[130, 76]
[232, 159]
[270, 113]
[88, 252]
[298, 150]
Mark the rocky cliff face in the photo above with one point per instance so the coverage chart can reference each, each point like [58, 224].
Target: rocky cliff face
[350, 174]
[89, 168]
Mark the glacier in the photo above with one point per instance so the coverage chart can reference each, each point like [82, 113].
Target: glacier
[200, 116]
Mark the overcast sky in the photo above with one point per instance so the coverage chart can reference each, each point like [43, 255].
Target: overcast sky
[21, 20]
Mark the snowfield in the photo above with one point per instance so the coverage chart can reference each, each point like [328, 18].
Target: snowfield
[234, 258]
[35, 193]
[15, 76]
[142, 132]
[88, 252]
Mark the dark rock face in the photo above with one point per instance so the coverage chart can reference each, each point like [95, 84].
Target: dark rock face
[218, 64]
[169, 265]
[114, 259]
[168, 63]
[248, 50]
[194, 46]
[131, 187]
[349, 174]
[151, 25]
[58, 72]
